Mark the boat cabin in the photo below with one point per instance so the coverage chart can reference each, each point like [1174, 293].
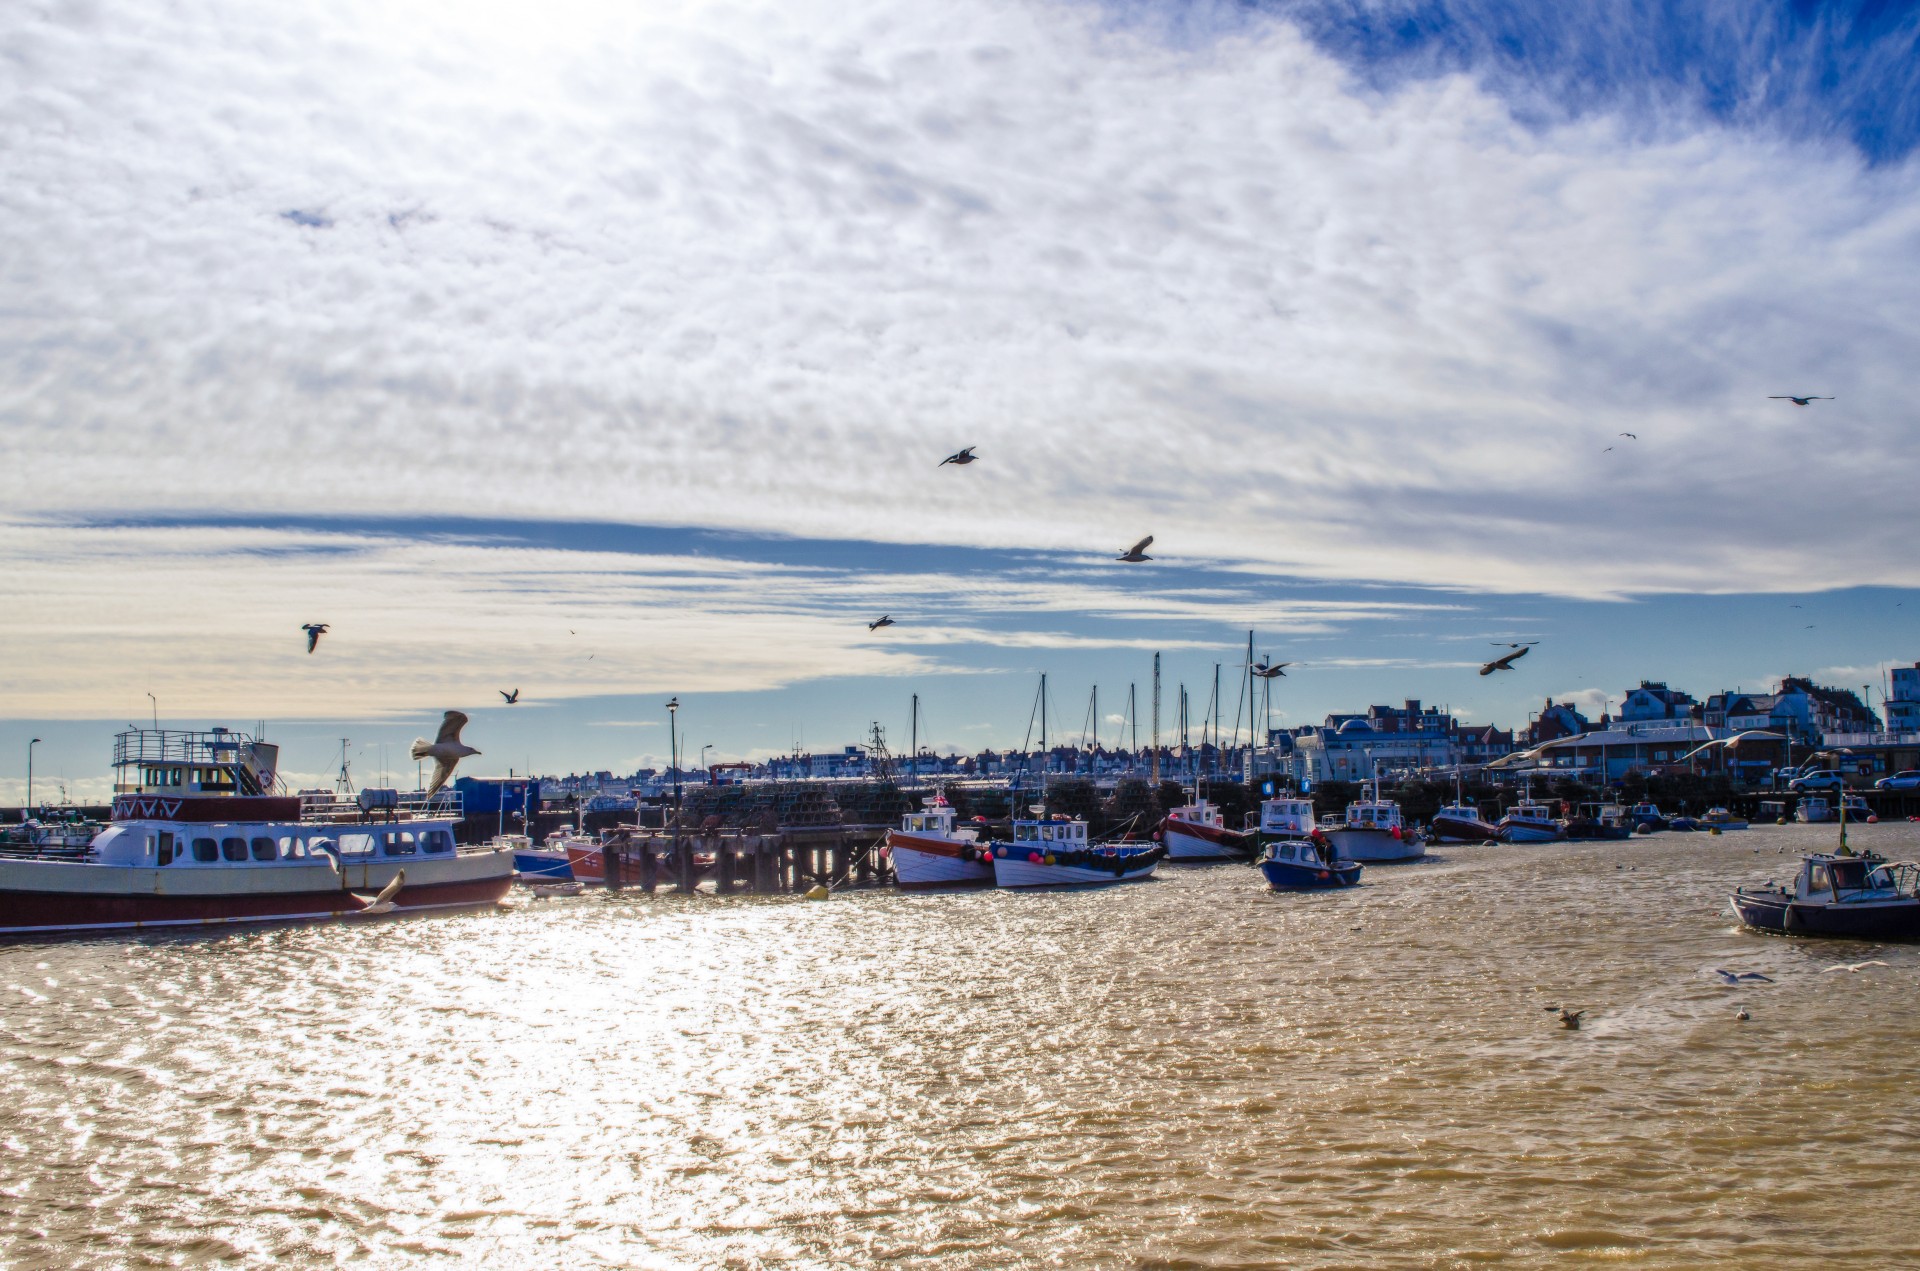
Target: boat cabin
[937, 820]
[1292, 817]
[1771, 813]
[1835, 879]
[1056, 831]
[1198, 811]
[1538, 812]
[1372, 815]
[208, 843]
[1299, 852]
[217, 763]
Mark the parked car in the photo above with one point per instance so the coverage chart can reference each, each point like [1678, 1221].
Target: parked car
[1908, 780]
[1824, 779]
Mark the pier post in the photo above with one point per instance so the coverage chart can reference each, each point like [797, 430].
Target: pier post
[649, 867]
[610, 864]
[723, 865]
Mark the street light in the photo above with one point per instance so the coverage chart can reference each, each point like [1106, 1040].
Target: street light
[30, 746]
[703, 762]
[673, 747]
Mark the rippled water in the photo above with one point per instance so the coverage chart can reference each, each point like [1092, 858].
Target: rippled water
[1184, 1073]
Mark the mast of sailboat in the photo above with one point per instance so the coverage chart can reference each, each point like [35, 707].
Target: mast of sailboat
[1044, 758]
[1133, 716]
[1154, 738]
[1250, 733]
[913, 765]
[1217, 707]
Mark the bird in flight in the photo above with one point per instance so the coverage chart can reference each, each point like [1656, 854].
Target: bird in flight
[884, 620]
[446, 750]
[1733, 977]
[1505, 663]
[961, 459]
[1631, 436]
[314, 631]
[1513, 644]
[512, 698]
[1266, 672]
[1605, 451]
[1797, 401]
[1855, 967]
[1138, 552]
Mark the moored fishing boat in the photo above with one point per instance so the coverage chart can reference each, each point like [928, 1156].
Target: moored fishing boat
[1295, 855]
[1054, 852]
[1813, 810]
[1462, 823]
[551, 861]
[1373, 831]
[1195, 832]
[1866, 897]
[1530, 823]
[201, 834]
[1598, 821]
[1645, 818]
[1721, 819]
[929, 850]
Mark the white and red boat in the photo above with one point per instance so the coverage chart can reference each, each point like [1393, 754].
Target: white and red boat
[929, 851]
[1196, 833]
[202, 835]
[1054, 852]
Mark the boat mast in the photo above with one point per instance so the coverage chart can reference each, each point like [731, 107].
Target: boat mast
[913, 768]
[1250, 733]
[1154, 739]
[1044, 758]
[1217, 708]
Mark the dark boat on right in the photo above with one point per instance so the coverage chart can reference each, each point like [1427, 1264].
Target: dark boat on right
[1838, 894]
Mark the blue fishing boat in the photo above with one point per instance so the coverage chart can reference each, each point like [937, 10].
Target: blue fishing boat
[1866, 897]
[1294, 854]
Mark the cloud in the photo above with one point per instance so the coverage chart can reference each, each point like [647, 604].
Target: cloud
[758, 266]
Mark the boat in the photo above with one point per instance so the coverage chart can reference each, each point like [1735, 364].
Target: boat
[1598, 821]
[1771, 813]
[1195, 832]
[1854, 808]
[552, 860]
[1054, 852]
[929, 851]
[1294, 854]
[1373, 831]
[1462, 823]
[1838, 894]
[1684, 824]
[1813, 810]
[1530, 823]
[1645, 818]
[203, 834]
[1721, 819]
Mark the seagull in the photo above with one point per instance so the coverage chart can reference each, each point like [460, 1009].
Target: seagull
[383, 903]
[1138, 552]
[445, 750]
[1506, 663]
[512, 697]
[1570, 1019]
[1513, 644]
[1605, 451]
[1742, 1015]
[1266, 672]
[1631, 436]
[1732, 977]
[884, 620]
[1855, 967]
[314, 631]
[959, 460]
[1797, 401]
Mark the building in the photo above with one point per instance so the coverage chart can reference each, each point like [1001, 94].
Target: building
[1479, 745]
[1555, 720]
[1654, 700]
[1384, 740]
[1902, 707]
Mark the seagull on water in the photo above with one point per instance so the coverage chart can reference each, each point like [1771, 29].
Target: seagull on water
[1733, 977]
[961, 459]
[512, 698]
[446, 750]
[1505, 663]
[1570, 1019]
[1855, 967]
[1266, 672]
[314, 631]
[884, 620]
[1797, 401]
[1138, 552]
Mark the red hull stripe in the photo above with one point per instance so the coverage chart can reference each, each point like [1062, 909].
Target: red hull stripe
[1208, 833]
[926, 846]
[39, 911]
[164, 807]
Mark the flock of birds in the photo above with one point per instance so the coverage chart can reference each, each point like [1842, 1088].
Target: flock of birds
[1570, 1019]
[1775, 397]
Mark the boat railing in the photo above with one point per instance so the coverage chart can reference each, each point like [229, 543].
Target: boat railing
[161, 745]
[411, 805]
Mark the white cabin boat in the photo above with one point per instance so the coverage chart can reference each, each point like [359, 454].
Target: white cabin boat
[1531, 823]
[1814, 809]
[202, 835]
[1055, 853]
[1373, 831]
[929, 850]
[1195, 832]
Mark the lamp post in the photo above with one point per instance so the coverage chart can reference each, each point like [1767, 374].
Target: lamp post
[156, 711]
[673, 748]
[30, 746]
[703, 762]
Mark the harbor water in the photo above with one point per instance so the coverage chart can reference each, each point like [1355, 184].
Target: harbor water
[1187, 1072]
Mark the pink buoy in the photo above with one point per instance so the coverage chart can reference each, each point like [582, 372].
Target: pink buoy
[1033, 857]
[1873, 818]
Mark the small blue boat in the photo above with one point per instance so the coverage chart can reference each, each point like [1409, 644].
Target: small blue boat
[1294, 854]
[1866, 897]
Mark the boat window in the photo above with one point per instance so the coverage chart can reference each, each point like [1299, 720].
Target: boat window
[291, 847]
[400, 843]
[234, 849]
[206, 850]
[436, 841]
[1817, 879]
[166, 847]
[352, 843]
[263, 849]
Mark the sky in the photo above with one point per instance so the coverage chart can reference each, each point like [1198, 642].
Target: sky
[607, 351]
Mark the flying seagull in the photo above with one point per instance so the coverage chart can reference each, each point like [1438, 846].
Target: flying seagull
[1505, 663]
[1266, 672]
[1797, 401]
[1605, 451]
[1513, 644]
[961, 459]
[512, 698]
[1138, 552]
[884, 620]
[1733, 977]
[1854, 966]
[314, 631]
[383, 903]
[445, 750]
[1631, 436]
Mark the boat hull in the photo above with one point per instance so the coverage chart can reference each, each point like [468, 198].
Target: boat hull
[1375, 846]
[1289, 876]
[542, 866]
[920, 863]
[1512, 833]
[1018, 871]
[50, 897]
[1192, 841]
[1876, 920]
[1455, 829]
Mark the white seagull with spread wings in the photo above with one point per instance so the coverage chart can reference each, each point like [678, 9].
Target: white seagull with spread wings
[445, 750]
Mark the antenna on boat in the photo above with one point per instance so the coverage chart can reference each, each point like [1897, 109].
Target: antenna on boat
[343, 784]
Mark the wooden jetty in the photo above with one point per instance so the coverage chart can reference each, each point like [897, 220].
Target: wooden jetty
[789, 859]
